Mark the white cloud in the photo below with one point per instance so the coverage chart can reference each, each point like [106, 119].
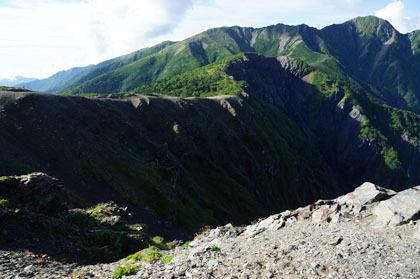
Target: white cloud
[206, 14]
[41, 37]
[398, 16]
[34, 32]
[117, 27]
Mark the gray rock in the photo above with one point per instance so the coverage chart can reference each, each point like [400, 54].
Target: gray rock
[401, 208]
[320, 215]
[366, 193]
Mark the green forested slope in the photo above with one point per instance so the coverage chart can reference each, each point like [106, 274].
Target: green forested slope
[367, 49]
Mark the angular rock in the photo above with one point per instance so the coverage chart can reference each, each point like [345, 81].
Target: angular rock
[366, 193]
[320, 215]
[400, 209]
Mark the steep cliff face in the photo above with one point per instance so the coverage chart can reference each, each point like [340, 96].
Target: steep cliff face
[177, 163]
[340, 119]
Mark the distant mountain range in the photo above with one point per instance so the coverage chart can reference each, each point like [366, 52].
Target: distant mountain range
[17, 80]
[368, 49]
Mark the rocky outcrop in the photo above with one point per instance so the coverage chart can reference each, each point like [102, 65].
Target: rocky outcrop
[34, 215]
[37, 192]
[401, 208]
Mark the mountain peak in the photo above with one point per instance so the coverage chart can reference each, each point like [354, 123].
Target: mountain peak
[372, 24]
[369, 20]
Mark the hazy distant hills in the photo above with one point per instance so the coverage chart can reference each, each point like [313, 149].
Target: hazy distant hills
[17, 80]
[65, 80]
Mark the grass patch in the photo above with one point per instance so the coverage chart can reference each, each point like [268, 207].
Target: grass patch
[149, 255]
[125, 271]
[136, 257]
[167, 259]
[185, 245]
[152, 256]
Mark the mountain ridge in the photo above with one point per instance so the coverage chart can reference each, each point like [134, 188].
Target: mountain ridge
[366, 48]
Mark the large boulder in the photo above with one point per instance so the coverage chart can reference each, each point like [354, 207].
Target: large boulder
[366, 193]
[37, 192]
[400, 209]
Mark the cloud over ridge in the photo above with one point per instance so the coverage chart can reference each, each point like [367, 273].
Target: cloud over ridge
[397, 14]
[124, 25]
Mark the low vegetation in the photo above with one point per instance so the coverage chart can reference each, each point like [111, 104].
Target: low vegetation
[6, 88]
[132, 263]
[4, 203]
[206, 81]
[4, 179]
[125, 271]
[215, 248]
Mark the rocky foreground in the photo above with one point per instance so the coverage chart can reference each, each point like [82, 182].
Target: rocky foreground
[369, 233]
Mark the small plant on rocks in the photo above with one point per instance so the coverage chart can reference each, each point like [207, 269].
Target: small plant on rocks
[167, 259]
[185, 245]
[125, 271]
[215, 248]
[152, 256]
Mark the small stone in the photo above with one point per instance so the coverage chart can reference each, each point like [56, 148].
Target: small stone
[336, 240]
[320, 215]
[314, 265]
[212, 263]
[28, 269]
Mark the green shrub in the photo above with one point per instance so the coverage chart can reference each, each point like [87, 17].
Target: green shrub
[148, 255]
[167, 259]
[215, 248]
[159, 243]
[4, 203]
[152, 256]
[4, 179]
[158, 240]
[171, 245]
[135, 257]
[185, 245]
[125, 271]
[176, 129]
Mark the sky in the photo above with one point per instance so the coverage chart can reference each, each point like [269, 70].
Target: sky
[41, 37]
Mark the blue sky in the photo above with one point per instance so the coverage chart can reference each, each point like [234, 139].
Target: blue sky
[41, 37]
